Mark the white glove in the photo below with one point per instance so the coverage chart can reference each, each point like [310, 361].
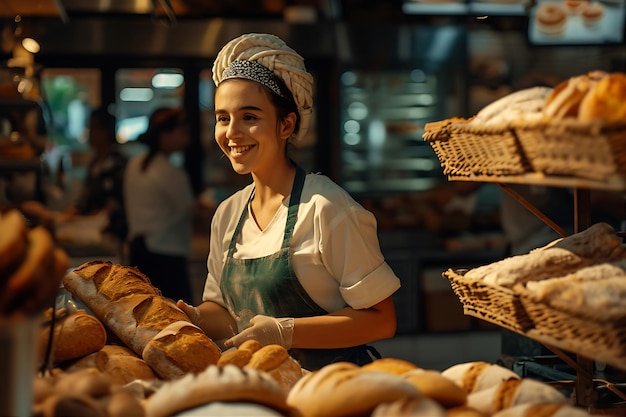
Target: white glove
[267, 331]
[192, 312]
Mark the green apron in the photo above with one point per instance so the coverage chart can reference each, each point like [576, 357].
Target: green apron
[268, 285]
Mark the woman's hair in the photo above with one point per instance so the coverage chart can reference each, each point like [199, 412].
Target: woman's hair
[101, 118]
[162, 120]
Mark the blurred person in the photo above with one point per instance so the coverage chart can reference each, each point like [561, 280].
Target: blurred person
[160, 205]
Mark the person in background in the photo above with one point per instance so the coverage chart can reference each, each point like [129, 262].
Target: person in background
[293, 259]
[159, 206]
[102, 189]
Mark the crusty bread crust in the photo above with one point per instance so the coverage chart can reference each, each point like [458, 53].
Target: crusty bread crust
[229, 383]
[180, 348]
[324, 392]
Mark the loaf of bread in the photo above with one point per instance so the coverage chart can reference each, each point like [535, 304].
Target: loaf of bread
[75, 335]
[325, 392]
[180, 348]
[272, 359]
[598, 243]
[514, 392]
[224, 384]
[409, 407]
[391, 365]
[124, 300]
[526, 104]
[120, 364]
[596, 292]
[478, 375]
[276, 361]
[437, 387]
[30, 276]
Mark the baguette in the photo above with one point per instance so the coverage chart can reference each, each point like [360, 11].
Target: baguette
[124, 300]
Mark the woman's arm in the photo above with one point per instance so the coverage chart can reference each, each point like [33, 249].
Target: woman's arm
[346, 327]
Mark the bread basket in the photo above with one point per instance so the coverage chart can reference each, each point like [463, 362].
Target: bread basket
[493, 303]
[466, 150]
[568, 147]
[604, 341]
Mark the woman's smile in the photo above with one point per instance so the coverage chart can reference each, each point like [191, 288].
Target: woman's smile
[240, 150]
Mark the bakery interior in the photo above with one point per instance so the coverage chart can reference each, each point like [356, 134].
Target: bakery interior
[383, 71]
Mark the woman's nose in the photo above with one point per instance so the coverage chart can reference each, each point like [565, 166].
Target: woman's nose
[233, 130]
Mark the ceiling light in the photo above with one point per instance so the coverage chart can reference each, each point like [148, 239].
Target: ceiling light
[167, 80]
[31, 45]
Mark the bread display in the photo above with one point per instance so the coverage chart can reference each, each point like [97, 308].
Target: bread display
[391, 365]
[148, 323]
[527, 104]
[216, 384]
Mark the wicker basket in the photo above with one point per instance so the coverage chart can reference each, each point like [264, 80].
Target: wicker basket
[602, 341]
[572, 148]
[496, 304]
[465, 150]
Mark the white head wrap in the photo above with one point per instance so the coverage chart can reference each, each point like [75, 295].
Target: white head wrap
[274, 54]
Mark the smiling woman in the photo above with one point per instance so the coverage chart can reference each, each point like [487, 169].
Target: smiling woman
[293, 259]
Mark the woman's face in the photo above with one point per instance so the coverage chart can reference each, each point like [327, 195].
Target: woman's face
[247, 128]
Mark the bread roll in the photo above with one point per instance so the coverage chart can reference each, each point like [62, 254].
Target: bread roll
[478, 376]
[598, 243]
[75, 335]
[437, 387]
[542, 410]
[324, 392]
[514, 392]
[465, 411]
[180, 348]
[276, 361]
[235, 357]
[566, 98]
[225, 384]
[410, 407]
[124, 300]
[606, 101]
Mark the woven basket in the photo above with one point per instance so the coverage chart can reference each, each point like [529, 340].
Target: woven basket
[603, 341]
[465, 150]
[496, 304]
[571, 148]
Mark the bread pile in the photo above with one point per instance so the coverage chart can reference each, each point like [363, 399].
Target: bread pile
[271, 359]
[151, 325]
[597, 96]
[583, 274]
[31, 267]
[390, 388]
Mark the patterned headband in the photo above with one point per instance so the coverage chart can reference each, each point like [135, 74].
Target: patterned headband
[252, 70]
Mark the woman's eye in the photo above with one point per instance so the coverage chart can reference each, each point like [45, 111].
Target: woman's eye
[221, 119]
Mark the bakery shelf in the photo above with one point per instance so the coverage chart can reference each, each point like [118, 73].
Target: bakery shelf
[615, 183]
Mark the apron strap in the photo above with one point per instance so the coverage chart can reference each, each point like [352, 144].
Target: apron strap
[292, 214]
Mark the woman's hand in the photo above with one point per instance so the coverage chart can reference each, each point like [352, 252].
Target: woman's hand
[267, 331]
[192, 312]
